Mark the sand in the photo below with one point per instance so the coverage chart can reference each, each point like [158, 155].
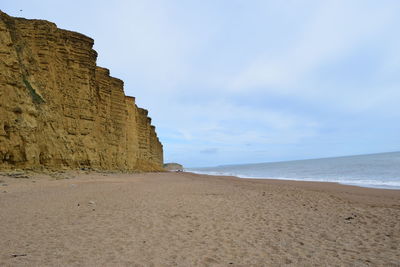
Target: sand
[184, 219]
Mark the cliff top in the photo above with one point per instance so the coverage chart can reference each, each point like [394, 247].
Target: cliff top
[52, 25]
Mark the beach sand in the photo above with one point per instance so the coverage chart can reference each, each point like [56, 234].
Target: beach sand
[184, 219]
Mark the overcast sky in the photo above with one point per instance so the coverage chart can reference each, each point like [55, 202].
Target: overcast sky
[245, 81]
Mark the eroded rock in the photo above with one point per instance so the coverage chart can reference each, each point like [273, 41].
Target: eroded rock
[58, 109]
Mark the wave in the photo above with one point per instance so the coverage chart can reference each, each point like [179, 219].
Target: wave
[370, 183]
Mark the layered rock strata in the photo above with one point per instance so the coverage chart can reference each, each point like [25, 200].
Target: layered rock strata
[58, 109]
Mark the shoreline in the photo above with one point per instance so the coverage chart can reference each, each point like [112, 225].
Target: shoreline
[187, 219]
[350, 192]
[298, 180]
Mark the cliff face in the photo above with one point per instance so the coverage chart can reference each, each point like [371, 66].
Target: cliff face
[59, 110]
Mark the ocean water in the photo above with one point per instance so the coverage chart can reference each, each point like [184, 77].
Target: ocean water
[373, 170]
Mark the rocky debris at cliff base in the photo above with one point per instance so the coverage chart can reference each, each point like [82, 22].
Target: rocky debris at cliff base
[15, 174]
[60, 175]
[173, 167]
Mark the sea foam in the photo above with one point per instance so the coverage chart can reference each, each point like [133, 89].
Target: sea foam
[373, 170]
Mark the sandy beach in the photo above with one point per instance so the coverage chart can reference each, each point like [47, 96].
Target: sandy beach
[184, 219]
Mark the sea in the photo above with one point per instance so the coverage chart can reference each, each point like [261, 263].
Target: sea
[373, 170]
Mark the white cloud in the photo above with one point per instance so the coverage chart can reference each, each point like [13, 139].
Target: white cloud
[224, 123]
[334, 31]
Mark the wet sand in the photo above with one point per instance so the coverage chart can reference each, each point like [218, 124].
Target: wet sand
[184, 219]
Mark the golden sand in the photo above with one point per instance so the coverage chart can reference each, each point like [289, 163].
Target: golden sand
[183, 219]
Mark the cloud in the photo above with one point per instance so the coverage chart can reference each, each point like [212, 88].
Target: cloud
[224, 123]
[213, 150]
[335, 30]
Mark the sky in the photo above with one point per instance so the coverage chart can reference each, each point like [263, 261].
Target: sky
[248, 81]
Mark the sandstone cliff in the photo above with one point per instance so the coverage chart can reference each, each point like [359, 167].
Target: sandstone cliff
[59, 110]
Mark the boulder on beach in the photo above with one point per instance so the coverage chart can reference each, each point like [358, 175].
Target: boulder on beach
[173, 167]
